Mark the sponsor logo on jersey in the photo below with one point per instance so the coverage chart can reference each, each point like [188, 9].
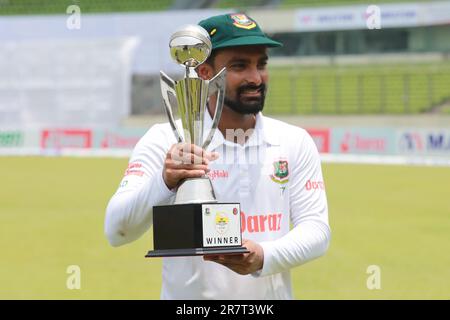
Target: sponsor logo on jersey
[216, 174]
[280, 172]
[314, 185]
[242, 21]
[270, 222]
[134, 168]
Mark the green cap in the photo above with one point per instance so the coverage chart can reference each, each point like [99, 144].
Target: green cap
[235, 29]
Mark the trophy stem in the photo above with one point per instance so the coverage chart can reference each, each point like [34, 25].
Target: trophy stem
[190, 73]
[195, 190]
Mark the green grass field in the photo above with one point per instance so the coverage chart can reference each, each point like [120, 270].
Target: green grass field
[52, 211]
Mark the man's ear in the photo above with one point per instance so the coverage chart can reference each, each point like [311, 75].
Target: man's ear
[205, 71]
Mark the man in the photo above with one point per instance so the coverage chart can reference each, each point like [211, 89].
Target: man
[262, 163]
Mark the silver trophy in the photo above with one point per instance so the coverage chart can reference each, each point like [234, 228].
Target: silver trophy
[196, 224]
[191, 46]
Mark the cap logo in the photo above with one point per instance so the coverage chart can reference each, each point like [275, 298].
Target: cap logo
[242, 21]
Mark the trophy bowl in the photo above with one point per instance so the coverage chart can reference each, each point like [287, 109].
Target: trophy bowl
[190, 46]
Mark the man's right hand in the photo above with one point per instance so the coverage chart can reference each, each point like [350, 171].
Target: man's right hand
[185, 160]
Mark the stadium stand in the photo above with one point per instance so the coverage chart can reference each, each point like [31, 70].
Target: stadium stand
[359, 89]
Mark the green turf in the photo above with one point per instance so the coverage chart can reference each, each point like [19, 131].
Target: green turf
[358, 89]
[52, 211]
[390, 216]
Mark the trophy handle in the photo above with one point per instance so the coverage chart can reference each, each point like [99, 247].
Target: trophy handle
[168, 86]
[216, 84]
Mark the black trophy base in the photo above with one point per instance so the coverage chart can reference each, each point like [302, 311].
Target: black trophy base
[195, 252]
[183, 230]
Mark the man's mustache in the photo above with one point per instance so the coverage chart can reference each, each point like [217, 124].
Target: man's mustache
[249, 87]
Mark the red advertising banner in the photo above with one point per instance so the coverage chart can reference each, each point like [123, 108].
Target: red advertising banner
[66, 138]
[321, 138]
[119, 140]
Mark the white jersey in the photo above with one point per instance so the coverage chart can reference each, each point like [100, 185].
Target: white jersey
[277, 179]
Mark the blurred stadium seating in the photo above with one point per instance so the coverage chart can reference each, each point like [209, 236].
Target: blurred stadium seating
[359, 89]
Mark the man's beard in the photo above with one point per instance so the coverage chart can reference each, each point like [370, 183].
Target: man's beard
[253, 105]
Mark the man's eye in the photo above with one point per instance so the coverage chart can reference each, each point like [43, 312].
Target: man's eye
[262, 65]
[238, 66]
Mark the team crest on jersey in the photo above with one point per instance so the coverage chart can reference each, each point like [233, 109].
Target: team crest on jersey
[222, 221]
[280, 172]
[242, 21]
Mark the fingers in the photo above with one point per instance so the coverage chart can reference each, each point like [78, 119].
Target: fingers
[244, 263]
[184, 153]
[185, 161]
[179, 157]
[198, 151]
[172, 166]
[179, 174]
[238, 259]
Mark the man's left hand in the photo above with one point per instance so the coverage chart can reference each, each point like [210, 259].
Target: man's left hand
[244, 263]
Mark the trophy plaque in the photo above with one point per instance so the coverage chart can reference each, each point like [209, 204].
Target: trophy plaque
[196, 223]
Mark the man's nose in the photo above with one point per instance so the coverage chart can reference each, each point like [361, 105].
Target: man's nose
[254, 76]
